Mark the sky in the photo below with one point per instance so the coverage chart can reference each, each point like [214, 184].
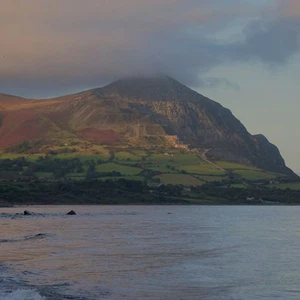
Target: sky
[245, 54]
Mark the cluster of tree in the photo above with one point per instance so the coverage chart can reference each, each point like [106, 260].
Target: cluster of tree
[248, 195]
[20, 168]
[14, 164]
[85, 192]
[19, 181]
[58, 167]
[125, 191]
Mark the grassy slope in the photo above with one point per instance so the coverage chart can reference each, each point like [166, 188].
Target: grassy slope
[184, 179]
[171, 167]
[291, 186]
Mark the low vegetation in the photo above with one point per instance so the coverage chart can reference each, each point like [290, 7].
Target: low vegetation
[179, 179]
[173, 167]
[173, 170]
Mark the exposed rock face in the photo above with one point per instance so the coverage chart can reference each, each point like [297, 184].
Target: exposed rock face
[138, 112]
[195, 120]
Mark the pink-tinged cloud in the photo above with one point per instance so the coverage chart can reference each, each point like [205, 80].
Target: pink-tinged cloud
[290, 8]
[65, 44]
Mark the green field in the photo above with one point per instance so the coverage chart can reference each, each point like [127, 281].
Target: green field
[202, 168]
[127, 156]
[123, 169]
[171, 167]
[83, 157]
[161, 168]
[292, 186]
[233, 166]
[238, 186]
[183, 179]
[255, 175]
[29, 157]
[44, 175]
[207, 178]
[174, 159]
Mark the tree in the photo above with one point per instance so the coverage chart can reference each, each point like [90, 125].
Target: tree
[91, 172]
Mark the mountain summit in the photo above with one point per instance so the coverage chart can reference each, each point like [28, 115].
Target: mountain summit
[148, 88]
[157, 112]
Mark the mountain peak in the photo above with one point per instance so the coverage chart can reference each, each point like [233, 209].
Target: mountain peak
[150, 112]
[161, 87]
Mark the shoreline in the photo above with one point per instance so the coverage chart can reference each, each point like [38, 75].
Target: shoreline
[146, 204]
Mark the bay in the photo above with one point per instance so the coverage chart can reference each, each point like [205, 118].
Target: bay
[150, 252]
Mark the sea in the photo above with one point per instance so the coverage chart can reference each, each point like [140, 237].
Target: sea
[150, 252]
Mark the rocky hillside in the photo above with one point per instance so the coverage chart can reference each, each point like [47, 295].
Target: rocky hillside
[145, 112]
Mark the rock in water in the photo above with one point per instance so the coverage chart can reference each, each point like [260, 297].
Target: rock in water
[27, 213]
[71, 213]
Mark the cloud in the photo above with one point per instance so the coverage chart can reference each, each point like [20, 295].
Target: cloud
[290, 8]
[211, 82]
[272, 42]
[55, 46]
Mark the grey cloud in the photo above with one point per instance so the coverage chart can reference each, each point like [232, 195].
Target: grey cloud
[211, 82]
[59, 46]
[272, 42]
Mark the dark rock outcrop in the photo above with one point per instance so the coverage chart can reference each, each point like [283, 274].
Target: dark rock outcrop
[71, 213]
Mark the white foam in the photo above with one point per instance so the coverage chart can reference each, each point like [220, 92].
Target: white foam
[23, 295]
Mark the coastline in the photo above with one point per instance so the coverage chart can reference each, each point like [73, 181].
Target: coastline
[134, 193]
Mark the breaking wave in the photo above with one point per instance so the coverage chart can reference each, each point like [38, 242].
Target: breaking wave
[25, 238]
[23, 294]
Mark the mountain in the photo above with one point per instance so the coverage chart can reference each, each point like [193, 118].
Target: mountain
[154, 112]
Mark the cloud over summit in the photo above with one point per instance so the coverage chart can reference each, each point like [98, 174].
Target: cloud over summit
[66, 44]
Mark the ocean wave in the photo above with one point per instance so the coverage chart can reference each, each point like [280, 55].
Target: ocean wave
[23, 294]
[31, 293]
[26, 238]
[21, 215]
[13, 287]
[31, 214]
